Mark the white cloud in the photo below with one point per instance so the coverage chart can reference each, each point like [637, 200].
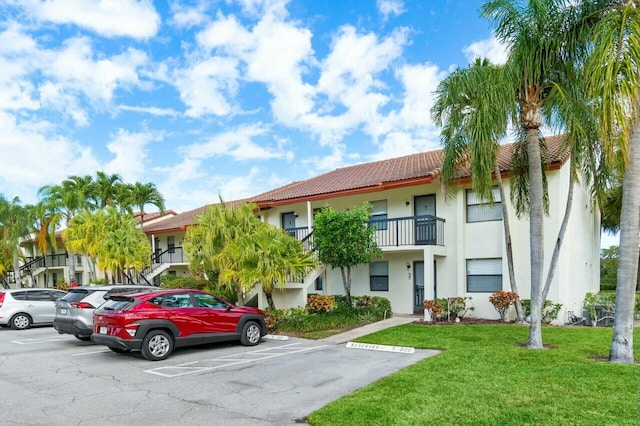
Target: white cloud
[275, 53]
[75, 67]
[187, 17]
[390, 7]
[129, 18]
[150, 110]
[54, 96]
[490, 48]
[207, 86]
[398, 143]
[32, 156]
[237, 143]
[130, 152]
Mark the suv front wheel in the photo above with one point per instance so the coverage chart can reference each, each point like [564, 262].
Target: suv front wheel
[250, 335]
[157, 345]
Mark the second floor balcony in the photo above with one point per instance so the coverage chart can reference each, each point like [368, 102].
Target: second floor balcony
[396, 232]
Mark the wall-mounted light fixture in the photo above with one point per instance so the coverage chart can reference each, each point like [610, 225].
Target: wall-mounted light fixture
[409, 270]
[295, 214]
[406, 203]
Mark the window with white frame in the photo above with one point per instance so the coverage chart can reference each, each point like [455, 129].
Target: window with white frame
[480, 209]
[379, 276]
[484, 275]
[379, 214]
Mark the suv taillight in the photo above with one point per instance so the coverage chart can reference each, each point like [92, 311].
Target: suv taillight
[1, 299]
[82, 305]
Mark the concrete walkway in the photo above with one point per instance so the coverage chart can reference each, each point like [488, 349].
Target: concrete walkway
[348, 336]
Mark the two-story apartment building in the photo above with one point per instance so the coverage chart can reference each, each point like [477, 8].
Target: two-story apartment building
[434, 244]
[46, 269]
[438, 244]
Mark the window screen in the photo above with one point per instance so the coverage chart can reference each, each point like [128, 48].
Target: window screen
[481, 210]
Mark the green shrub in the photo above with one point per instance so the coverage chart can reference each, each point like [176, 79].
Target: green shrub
[611, 295]
[99, 281]
[366, 309]
[550, 310]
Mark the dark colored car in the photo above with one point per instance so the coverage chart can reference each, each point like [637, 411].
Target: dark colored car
[158, 322]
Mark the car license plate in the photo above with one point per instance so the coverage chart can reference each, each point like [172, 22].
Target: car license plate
[103, 330]
[63, 312]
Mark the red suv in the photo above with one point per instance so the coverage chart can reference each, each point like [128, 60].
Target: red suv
[158, 322]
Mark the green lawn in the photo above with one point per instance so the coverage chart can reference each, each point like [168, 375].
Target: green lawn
[486, 377]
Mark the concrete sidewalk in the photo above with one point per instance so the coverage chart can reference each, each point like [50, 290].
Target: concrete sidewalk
[348, 336]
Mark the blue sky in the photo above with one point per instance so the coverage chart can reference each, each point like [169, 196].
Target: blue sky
[229, 97]
[221, 97]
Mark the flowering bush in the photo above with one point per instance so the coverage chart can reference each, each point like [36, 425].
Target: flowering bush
[320, 303]
[502, 301]
[434, 307]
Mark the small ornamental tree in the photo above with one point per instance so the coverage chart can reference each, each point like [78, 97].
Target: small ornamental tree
[502, 301]
[344, 240]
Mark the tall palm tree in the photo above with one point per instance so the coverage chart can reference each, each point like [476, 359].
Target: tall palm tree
[534, 87]
[112, 237]
[613, 82]
[266, 256]
[457, 111]
[43, 225]
[65, 200]
[13, 226]
[106, 188]
[141, 194]
[216, 227]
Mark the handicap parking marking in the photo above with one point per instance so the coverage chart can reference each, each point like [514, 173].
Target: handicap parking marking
[230, 360]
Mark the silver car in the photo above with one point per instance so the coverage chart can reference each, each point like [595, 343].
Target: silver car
[74, 312]
[22, 307]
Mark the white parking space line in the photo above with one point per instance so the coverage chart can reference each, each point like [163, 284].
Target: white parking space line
[384, 348]
[92, 352]
[228, 361]
[40, 340]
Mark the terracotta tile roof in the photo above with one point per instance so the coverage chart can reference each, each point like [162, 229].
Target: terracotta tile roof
[182, 220]
[395, 172]
[152, 216]
[368, 177]
[179, 221]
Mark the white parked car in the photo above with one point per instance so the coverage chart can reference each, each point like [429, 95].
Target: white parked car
[22, 307]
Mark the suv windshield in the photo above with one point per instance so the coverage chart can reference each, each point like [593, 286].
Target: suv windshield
[117, 303]
[75, 295]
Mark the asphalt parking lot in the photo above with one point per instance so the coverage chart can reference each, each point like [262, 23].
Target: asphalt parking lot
[52, 379]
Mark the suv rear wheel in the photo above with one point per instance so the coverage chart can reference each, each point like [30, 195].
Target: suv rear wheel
[20, 321]
[157, 345]
[250, 335]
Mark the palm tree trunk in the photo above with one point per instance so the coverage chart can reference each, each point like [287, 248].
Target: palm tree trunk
[622, 343]
[269, 295]
[239, 294]
[508, 246]
[536, 232]
[561, 232]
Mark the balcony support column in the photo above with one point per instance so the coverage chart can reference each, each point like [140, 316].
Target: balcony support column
[309, 217]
